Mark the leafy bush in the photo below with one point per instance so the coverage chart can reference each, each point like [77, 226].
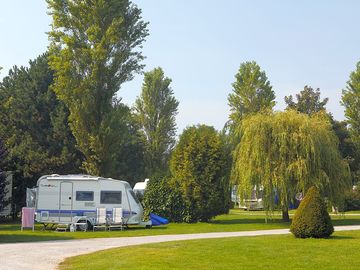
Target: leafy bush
[199, 167]
[311, 218]
[163, 200]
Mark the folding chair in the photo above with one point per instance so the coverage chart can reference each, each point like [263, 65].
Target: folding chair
[117, 220]
[100, 220]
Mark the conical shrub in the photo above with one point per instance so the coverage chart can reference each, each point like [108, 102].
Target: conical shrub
[311, 218]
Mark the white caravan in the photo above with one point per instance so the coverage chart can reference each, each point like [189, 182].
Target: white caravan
[140, 187]
[255, 202]
[65, 199]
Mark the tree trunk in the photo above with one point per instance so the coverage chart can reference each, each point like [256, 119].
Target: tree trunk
[285, 214]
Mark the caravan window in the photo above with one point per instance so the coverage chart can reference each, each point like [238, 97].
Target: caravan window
[110, 197]
[132, 193]
[84, 195]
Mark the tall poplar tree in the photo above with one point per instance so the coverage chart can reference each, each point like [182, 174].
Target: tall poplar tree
[351, 101]
[155, 112]
[94, 49]
[286, 153]
[252, 93]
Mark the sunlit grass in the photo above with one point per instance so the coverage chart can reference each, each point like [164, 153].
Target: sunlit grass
[261, 252]
[237, 220]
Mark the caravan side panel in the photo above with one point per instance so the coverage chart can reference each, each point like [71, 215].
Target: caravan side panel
[48, 201]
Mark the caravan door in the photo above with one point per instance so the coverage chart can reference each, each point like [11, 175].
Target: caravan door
[66, 201]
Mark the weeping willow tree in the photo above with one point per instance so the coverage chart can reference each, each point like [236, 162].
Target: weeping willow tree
[286, 153]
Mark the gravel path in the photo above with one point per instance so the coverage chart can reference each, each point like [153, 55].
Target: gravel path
[47, 255]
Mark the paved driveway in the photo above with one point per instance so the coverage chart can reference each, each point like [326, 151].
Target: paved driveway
[47, 255]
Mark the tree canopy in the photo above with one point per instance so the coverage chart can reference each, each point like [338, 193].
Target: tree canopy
[308, 101]
[34, 127]
[351, 101]
[94, 49]
[155, 111]
[285, 153]
[252, 92]
[123, 152]
[199, 168]
[347, 148]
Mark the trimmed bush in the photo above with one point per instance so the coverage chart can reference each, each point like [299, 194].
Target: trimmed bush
[311, 218]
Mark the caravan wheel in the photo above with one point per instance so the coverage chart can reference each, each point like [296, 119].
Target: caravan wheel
[82, 225]
[89, 225]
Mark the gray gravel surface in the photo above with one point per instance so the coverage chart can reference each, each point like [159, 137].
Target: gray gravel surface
[47, 255]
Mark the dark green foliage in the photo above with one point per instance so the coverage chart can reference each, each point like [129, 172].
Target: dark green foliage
[199, 168]
[123, 149]
[34, 127]
[352, 200]
[155, 111]
[311, 219]
[3, 182]
[308, 101]
[164, 200]
[94, 49]
[3, 191]
[34, 123]
[347, 148]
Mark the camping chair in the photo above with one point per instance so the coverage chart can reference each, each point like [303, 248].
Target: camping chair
[117, 220]
[100, 218]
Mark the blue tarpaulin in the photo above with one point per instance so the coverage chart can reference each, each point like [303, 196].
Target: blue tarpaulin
[157, 220]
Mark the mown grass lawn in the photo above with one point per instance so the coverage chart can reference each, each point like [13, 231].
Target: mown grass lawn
[341, 251]
[237, 220]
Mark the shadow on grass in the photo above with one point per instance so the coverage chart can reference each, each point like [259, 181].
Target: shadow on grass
[18, 238]
[345, 221]
[248, 221]
[133, 228]
[340, 237]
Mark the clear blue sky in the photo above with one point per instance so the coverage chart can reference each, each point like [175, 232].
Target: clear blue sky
[201, 43]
